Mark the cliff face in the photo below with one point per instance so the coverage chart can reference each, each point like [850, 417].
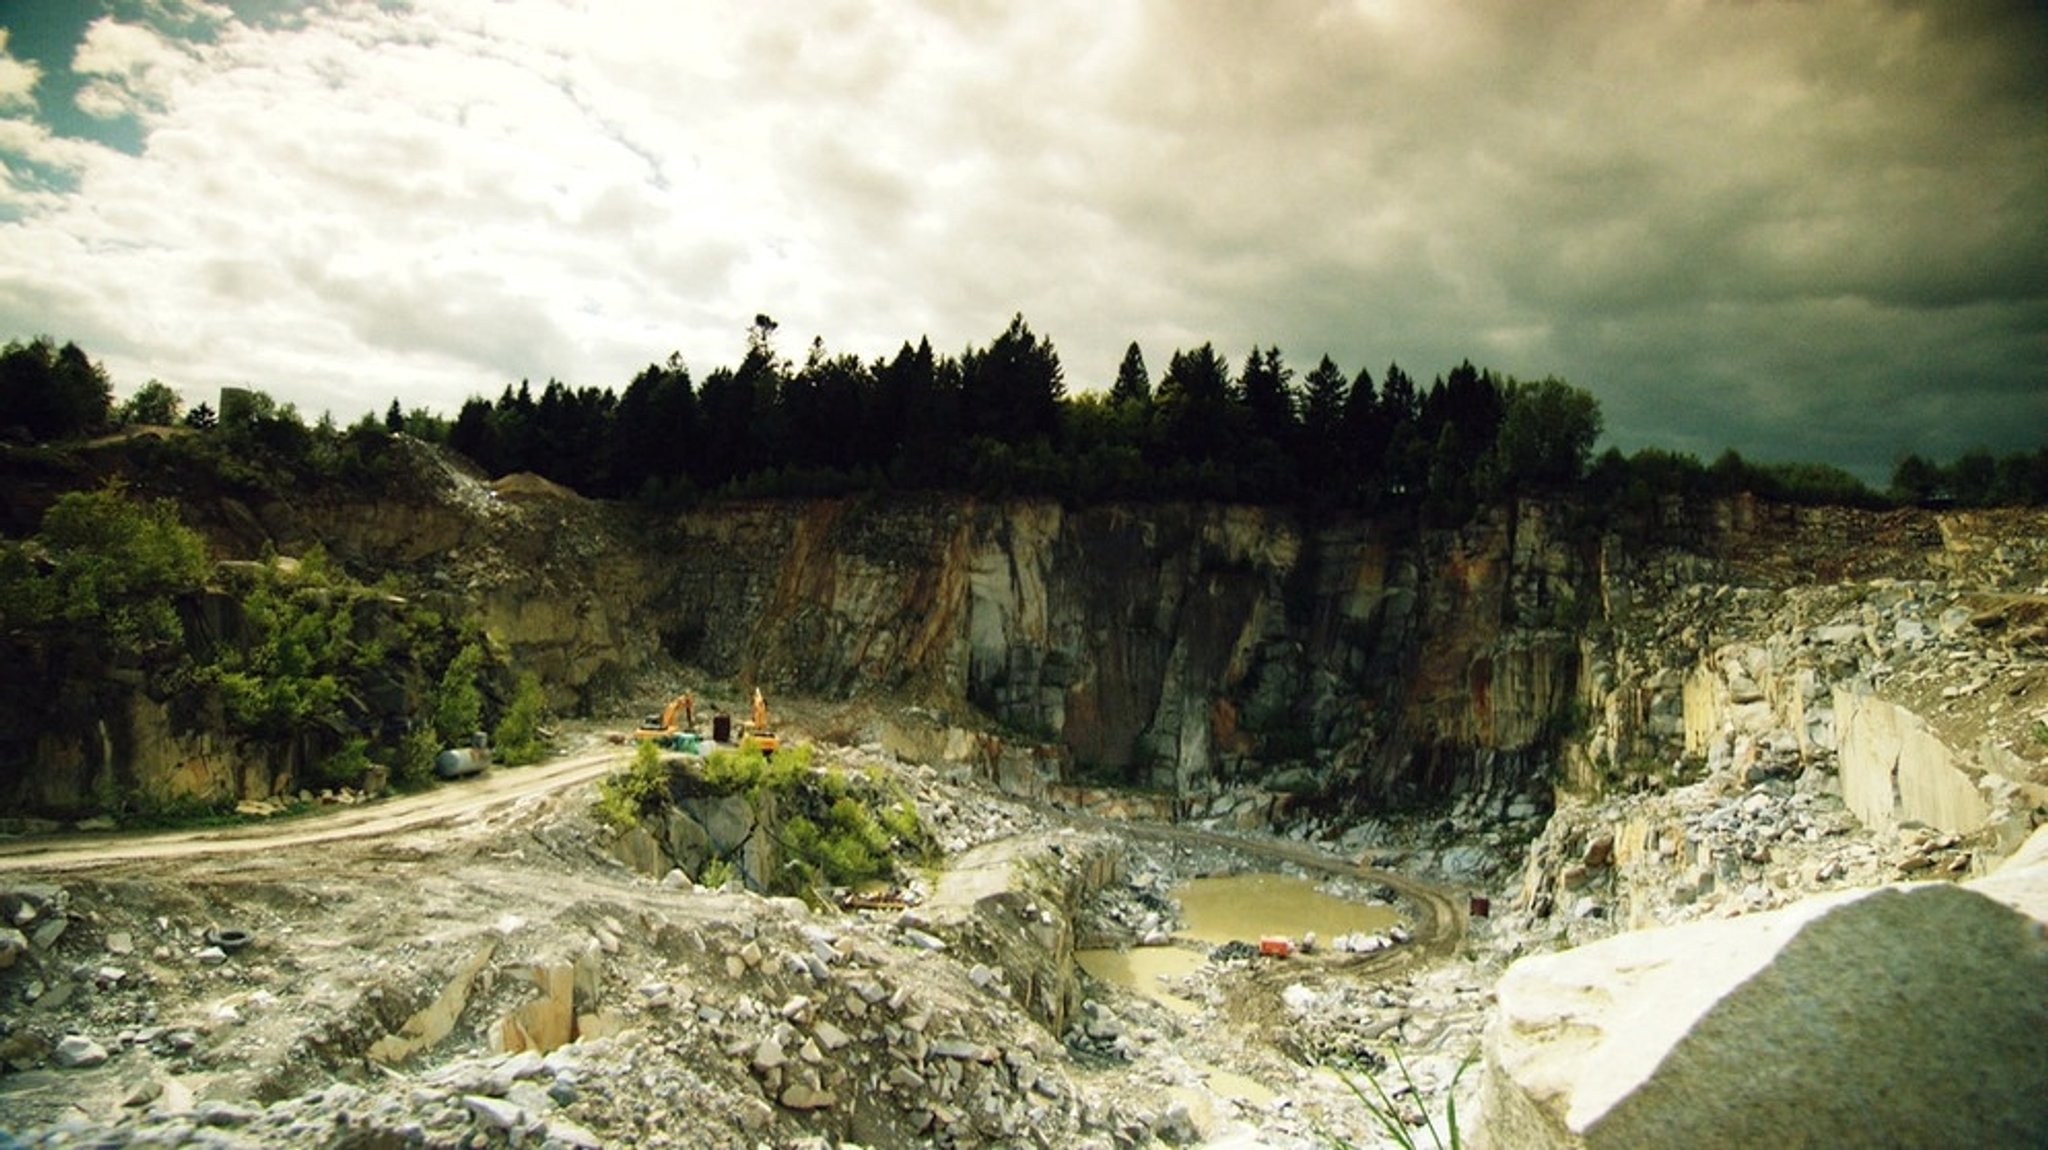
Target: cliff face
[555, 582]
[1898, 661]
[1181, 648]
[1195, 650]
[560, 584]
[1198, 649]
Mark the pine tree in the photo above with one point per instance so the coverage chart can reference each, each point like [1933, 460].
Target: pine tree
[1133, 383]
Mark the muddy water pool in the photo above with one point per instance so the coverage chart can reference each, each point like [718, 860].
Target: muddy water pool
[1219, 908]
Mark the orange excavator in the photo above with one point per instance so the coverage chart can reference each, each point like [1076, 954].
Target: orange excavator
[665, 725]
[759, 735]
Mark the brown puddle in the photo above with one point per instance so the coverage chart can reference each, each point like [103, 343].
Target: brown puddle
[1249, 906]
[1220, 908]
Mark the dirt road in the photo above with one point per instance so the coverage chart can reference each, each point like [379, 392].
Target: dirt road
[1438, 926]
[459, 802]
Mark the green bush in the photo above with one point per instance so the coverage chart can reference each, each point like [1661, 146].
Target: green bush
[312, 639]
[459, 706]
[52, 392]
[517, 737]
[853, 820]
[152, 812]
[748, 771]
[716, 873]
[625, 796]
[844, 835]
[345, 767]
[414, 769]
[111, 566]
[900, 820]
[848, 849]
[837, 828]
[290, 670]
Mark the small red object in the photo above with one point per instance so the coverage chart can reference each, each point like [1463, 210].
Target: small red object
[1274, 946]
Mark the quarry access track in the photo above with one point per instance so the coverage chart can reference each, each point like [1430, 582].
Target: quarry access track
[456, 803]
[1438, 919]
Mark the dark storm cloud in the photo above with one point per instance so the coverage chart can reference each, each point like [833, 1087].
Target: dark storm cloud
[1775, 227]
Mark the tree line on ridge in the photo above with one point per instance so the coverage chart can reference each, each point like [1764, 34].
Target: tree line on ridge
[998, 421]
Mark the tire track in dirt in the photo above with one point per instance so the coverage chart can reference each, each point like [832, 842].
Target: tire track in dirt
[460, 802]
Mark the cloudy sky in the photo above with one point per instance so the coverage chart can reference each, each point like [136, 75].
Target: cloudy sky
[1813, 231]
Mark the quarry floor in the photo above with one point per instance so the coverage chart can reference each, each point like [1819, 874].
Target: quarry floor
[429, 920]
[357, 921]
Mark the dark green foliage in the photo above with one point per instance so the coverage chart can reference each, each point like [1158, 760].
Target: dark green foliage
[1105, 449]
[1639, 487]
[1202, 424]
[836, 828]
[997, 422]
[1268, 456]
[288, 673]
[1323, 448]
[734, 412]
[154, 404]
[825, 413]
[345, 767]
[106, 567]
[52, 393]
[918, 436]
[626, 796]
[459, 705]
[850, 848]
[1133, 384]
[1975, 479]
[1012, 392]
[261, 446]
[113, 597]
[517, 740]
[653, 429]
[749, 772]
[1546, 435]
[311, 642]
[1807, 483]
[412, 766]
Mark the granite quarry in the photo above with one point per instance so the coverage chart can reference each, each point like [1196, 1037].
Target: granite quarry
[1750, 810]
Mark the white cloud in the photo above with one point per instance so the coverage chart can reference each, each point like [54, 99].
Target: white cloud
[25, 146]
[17, 79]
[435, 199]
[129, 69]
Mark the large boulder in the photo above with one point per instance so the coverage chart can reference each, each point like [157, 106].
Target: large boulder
[1909, 1015]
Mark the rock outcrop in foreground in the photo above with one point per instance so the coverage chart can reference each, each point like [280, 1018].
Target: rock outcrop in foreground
[1905, 1015]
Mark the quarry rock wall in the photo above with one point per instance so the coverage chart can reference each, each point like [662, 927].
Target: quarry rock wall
[1182, 648]
[1205, 650]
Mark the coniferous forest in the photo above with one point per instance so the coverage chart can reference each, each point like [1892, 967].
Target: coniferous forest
[1001, 421]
